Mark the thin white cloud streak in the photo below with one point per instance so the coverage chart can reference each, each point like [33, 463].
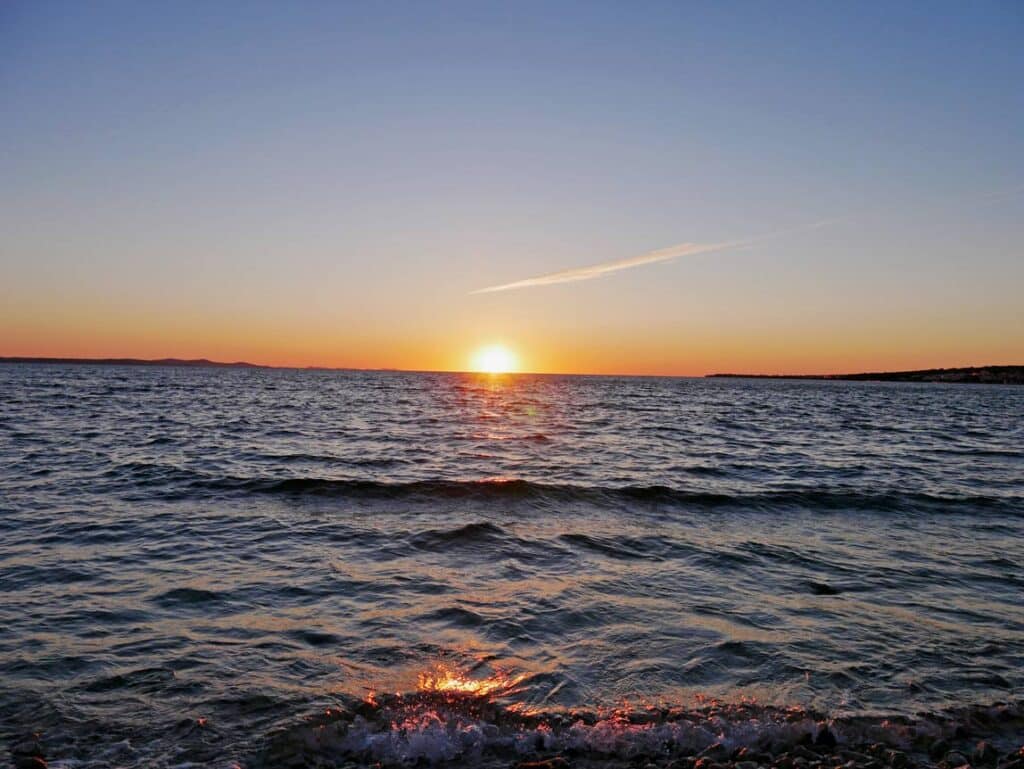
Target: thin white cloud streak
[651, 257]
[607, 268]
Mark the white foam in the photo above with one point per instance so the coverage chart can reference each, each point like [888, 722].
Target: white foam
[435, 735]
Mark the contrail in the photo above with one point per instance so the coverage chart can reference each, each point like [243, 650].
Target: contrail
[606, 268]
[651, 257]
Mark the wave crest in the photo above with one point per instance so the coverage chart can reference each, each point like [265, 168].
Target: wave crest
[435, 727]
[818, 498]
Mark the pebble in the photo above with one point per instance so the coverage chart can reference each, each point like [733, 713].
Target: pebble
[27, 748]
[549, 763]
[716, 752]
[825, 738]
[984, 754]
[938, 749]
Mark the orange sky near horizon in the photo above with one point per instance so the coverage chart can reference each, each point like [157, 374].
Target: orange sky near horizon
[670, 353]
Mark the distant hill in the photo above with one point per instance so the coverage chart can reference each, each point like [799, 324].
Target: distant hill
[966, 375]
[133, 362]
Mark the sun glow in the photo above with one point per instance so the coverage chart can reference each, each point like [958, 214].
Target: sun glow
[494, 359]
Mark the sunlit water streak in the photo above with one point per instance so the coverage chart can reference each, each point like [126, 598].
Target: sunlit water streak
[253, 547]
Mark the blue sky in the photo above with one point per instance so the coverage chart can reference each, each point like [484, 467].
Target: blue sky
[327, 183]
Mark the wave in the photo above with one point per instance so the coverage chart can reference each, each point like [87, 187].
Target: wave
[176, 480]
[439, 728]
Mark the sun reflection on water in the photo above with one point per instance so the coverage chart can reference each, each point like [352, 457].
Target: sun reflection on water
[442, 679]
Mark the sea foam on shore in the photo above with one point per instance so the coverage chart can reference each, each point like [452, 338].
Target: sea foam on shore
[444, 728]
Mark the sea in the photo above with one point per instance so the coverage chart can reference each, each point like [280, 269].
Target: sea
[251, 567]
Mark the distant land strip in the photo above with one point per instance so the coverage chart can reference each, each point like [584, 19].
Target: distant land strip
[133, 362]
[965, 375]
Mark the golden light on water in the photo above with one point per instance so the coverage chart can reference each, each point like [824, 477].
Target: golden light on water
[445, 680]
[494, 359]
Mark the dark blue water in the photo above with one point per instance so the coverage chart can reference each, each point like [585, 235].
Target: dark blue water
[193, 561]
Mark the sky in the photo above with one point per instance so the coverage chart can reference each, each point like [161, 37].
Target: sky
[639, 188]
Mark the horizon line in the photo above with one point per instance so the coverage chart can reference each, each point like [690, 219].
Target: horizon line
[209, 363]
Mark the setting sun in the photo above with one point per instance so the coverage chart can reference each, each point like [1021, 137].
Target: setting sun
[494, 359]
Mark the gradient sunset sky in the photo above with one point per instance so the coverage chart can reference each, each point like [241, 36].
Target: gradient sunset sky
[669, 188]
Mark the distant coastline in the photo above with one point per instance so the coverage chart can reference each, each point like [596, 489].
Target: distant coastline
[964, 375]
[133, 362]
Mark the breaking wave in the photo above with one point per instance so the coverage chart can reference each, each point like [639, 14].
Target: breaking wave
[438, 728]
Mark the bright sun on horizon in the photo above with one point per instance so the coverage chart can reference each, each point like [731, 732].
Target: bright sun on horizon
[494, 359]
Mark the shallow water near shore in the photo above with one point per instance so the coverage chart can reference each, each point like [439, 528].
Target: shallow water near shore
[194, 563]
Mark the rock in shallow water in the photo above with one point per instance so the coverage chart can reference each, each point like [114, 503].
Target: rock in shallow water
[938, 749]
[549, 763]
[825, 738]
[896, 759]
[29, 747]
[984, 754]
[716, 752]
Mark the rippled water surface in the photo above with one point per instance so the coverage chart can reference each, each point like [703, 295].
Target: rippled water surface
[192, 560]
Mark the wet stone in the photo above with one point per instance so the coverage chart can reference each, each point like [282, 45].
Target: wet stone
[27, 748]
[557, 762]
[938, 749]
[984, 754]
[716, 752]
[860, 758]
[825, 738]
